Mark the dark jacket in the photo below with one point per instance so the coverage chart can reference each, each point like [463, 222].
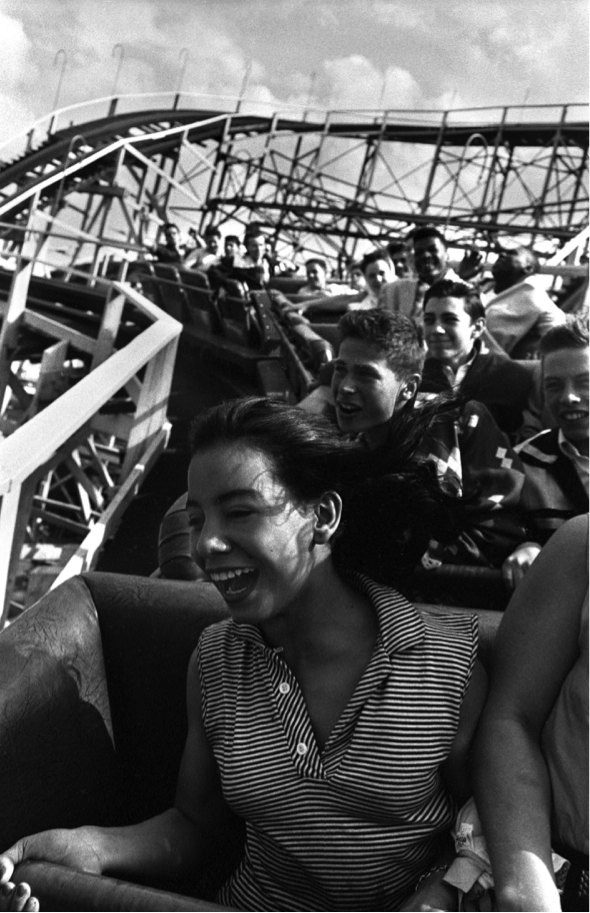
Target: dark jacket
[501, 384]
[474, 458]
[553, 491]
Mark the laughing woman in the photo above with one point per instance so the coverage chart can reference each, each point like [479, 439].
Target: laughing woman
[326, 713]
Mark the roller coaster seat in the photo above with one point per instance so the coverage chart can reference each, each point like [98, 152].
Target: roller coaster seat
[93, 708]
[92, 704]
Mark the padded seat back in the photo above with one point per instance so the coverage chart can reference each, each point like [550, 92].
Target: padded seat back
[92, 701]
[175, 560]
[149, 629]
[145, 273]
[57, 751]
[239, 321]
[288, 285]
[171, 291]
[201, 309]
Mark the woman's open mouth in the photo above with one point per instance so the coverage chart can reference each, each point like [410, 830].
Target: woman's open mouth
[234, 583]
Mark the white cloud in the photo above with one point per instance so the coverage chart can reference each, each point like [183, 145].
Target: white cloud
[402, 54]
[400, 15]
[14, 47]
[14, 50]
[353, 82]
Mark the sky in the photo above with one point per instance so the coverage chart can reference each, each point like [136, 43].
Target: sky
[399, 54]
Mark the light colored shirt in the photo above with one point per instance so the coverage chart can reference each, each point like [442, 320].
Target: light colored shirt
[519, 316]
[456, 378]
[308, 291]
[408, 294]
[383, 300]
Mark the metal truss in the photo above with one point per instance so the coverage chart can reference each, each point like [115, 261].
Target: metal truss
[324, 186]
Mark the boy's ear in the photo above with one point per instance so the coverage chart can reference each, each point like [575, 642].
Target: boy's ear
[408, 390]
[478, 326]
[328, 512]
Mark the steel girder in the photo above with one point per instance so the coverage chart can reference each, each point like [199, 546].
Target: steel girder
[323, 186]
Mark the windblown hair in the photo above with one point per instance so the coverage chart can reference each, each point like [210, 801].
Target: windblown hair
[447, 288]
[392, 501]
[398, 338]
[573, 334]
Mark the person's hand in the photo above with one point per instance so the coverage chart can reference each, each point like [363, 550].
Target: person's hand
[433, 894]
[519, 562]
[17, 897]
[77, 849]
[471, 264]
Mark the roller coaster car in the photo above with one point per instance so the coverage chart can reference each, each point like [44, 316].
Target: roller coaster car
[92, 711]
[93, 722]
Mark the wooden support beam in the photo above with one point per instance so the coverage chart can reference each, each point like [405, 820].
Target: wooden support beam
[88, 552]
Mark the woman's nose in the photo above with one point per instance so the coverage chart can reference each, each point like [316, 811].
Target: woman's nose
[209, 541]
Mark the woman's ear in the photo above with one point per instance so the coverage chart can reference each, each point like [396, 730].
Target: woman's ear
[328, 512]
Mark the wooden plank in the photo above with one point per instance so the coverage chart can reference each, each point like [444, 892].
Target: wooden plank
[50, 376]
[36, 441]
[57, 330]
[109, 327]
[143, 304]
[88, 552]
[150, 413]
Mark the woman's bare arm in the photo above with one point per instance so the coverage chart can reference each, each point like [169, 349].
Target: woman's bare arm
[535, 649]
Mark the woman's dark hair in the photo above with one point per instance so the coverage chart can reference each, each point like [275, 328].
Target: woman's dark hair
[392, 501]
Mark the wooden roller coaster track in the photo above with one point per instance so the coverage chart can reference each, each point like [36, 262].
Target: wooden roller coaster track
[85, 190]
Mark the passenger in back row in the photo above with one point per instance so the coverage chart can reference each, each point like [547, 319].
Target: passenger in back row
[203, 258]
[377, 374]
[521, 312]
[317, 285]
[379, 276]
[431, 262]
[556, 460]
[454, 320]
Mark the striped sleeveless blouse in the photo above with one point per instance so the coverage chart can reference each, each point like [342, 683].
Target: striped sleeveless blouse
[351, 828]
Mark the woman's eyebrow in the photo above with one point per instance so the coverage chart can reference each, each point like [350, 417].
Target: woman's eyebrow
[227, 496]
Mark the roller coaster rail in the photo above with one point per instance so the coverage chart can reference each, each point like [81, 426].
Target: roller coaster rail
[327, 182]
